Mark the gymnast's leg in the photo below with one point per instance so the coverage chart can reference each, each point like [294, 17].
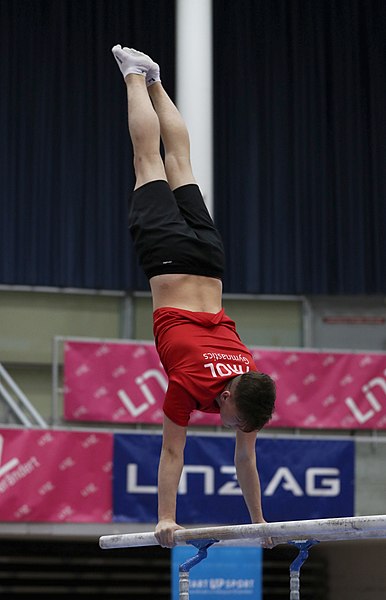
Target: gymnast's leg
[188, 274]
[175, 138]
[144, 126]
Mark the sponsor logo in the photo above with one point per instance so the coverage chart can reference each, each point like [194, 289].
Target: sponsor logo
[374, 391]
[142, 381]
[318, 481]
[10, 464]
[13, 471]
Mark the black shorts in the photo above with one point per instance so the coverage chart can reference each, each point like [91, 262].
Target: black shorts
[173, 231]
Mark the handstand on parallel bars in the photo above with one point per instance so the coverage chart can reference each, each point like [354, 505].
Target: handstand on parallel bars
[302, 534]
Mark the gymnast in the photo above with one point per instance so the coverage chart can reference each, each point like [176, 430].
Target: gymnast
[181, 252]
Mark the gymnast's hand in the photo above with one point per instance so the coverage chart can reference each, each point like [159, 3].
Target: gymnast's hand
[164, 532]
[267, 542]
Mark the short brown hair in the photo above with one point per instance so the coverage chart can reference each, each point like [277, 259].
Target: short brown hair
[254, 398]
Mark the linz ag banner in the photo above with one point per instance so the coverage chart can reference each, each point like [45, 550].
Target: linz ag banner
[64, 476]
[125, 383]
[300, 479]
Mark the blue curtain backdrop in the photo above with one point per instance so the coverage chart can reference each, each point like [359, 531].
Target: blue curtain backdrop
[300, 141]
[300, 144]
[65, 155]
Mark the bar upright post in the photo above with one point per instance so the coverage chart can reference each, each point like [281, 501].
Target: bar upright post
[297, 564]
[185, 567]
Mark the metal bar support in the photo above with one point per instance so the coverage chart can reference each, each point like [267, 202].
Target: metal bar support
[297, 564]
[185, 567]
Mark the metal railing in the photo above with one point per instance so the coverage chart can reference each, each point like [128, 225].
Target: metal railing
[17, 403]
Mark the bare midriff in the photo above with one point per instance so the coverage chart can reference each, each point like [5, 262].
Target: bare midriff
[188, 292]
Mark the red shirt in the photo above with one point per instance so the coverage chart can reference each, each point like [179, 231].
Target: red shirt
[200, 352]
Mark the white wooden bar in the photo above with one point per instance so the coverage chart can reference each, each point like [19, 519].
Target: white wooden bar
[345, 528]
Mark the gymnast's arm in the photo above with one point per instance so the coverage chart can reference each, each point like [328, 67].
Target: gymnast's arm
[169, 473]
[247, 474]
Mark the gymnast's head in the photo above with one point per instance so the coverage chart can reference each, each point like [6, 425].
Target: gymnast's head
[248, 401]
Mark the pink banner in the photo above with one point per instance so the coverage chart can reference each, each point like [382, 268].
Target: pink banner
[125, 383]
[55, 476]
[119, 383]
[327, 390]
